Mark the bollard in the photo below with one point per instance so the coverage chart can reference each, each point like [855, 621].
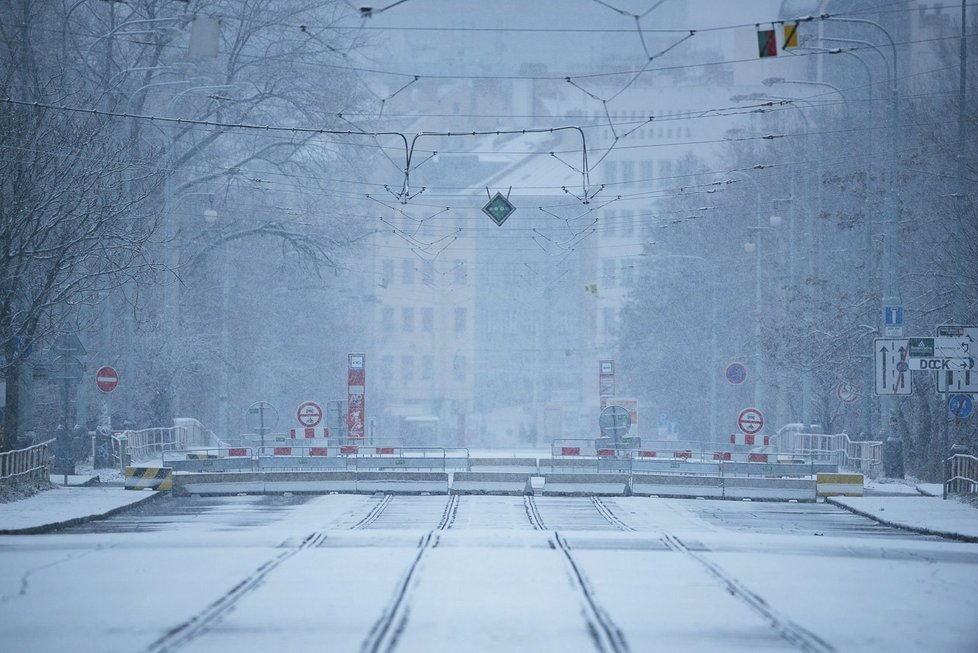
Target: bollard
[123, 452]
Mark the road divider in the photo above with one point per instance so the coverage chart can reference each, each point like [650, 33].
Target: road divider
[506, 483]
[584, 484]
[833, 485]
[149, 478]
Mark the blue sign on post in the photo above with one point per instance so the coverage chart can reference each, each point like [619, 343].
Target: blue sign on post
[736, 373]
[893, 316]
[961, 406]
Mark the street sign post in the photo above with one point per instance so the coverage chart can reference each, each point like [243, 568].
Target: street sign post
[261, 416]
[846, 392]
[736, 373]
[107, 379]
[309, 413]
[963, 381]
[940, 354]
[750, 421]
[614, 421]
[892, 375]
[893, 321]
[961, 406]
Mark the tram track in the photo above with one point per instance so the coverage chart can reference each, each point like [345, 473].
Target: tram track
[798, 636]
[374, 513]
[199, 624]
[605, 634]
[610, 516]
[386, 631]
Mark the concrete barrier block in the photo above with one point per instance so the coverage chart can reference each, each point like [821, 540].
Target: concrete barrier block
[585, 484]
[218, 483]
[402, 482]
[677, 485]
[847, 485]
[318, 482]
[506, 483]
[528, 465]
[784, 489]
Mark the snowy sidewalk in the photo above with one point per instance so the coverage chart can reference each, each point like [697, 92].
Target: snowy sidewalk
[65, 506]
[923, 514]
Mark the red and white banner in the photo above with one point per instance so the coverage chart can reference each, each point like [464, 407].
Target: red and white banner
[750, 439]
[309, 433]
[355, 380]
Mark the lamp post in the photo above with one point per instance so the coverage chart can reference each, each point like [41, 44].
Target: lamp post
[759, 367]
[713, 371]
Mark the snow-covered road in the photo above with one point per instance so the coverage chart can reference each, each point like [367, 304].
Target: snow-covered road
[485, 573]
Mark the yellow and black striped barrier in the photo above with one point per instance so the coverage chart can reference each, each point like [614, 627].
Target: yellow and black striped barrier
[149, 478]
[831, 485]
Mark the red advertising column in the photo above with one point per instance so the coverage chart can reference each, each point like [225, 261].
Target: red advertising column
[355, 390]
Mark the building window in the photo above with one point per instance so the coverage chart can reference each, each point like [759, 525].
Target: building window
[387, 278]
[407, 271]
[627, 171]
[427, 368]
[647, 170]
[608, 316]
[610, 223]
[628, 273]
[387, 319]
[626, 226]
[407, 368]
[459, 273]
[428, 272]
[608, 272]
[427, 319]
[458, 368]
[611, 172]
[386, 368]
[460, 320]
[407, 319]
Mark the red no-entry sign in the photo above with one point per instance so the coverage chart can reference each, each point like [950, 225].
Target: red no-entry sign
[107, 379]
[309, 413]
[750, 421]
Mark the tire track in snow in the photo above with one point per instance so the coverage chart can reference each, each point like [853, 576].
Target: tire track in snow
[605, 634]
[386, 631]
[374, 513]
[200, 623]
[801, 638]
[610, 516]
[532, 513]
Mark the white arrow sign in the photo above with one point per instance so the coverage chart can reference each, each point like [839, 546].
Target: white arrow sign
[959, 381]
[892, 376]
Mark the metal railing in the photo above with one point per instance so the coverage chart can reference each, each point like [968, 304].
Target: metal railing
[146, 444]
[961, 474]
[28, 462]
[859, 455]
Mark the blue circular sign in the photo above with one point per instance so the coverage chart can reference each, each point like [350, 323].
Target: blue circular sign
[961, 406]
[736, 373]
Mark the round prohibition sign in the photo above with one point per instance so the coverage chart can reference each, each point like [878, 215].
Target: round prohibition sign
[107, 379]
[750, 421]
[309, 413]
[846, 392]
[736, 373]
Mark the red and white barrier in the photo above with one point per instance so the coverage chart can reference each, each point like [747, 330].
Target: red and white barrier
[750, 439]
[309, 433]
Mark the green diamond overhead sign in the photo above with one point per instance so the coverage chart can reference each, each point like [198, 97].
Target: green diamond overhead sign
[498, 208]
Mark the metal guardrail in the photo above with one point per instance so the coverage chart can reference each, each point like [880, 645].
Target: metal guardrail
[858, 455]
[961, 475]
[142, 445]
[308, 457]
[30, 461]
